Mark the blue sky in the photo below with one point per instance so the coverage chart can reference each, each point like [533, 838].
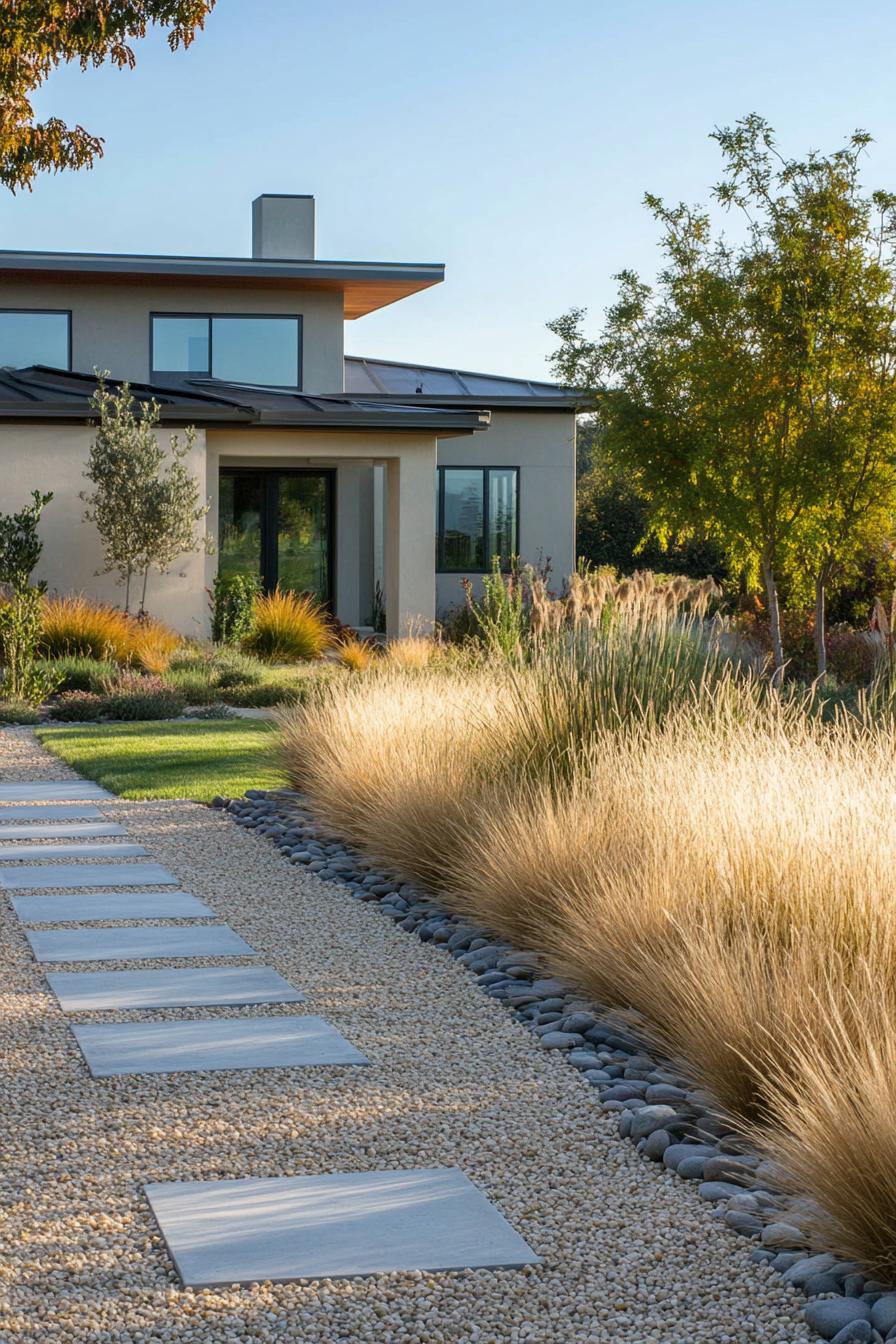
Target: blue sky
[511, 140]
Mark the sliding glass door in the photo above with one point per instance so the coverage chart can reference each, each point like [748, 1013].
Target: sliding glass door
[279, 525]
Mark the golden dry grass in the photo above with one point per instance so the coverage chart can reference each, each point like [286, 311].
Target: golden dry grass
[76, 626]
[725, 875]
[412, 652]
[356, 654]
[287, 628]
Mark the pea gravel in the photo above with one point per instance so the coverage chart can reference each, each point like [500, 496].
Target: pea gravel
[630, 1252]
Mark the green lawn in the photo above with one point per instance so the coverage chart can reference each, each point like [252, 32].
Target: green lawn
[171, 760]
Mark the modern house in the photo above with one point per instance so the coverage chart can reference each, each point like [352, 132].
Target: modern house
[319, 468]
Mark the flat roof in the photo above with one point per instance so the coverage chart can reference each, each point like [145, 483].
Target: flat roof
[39, 393]
[430, 384]
[365, 285]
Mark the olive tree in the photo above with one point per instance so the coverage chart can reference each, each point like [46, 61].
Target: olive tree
[145, 503]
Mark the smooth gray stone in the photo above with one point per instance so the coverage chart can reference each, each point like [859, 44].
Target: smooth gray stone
[136, 944]
[60, 830]
[84, 907]
[72, 875]
[828, 1316]
[219, 1043]
[71, 791]
[30, 853]
[180, 987]
[334, 1226]
[47, 813]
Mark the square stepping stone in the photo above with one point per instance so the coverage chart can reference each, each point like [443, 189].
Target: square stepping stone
[329, 1227]
[72, 791]
[180, 987]
[71, 875]
[29, 853]
[84, 907]
[136, 944]
[59, 830]
[112, 1048]
[49, 812]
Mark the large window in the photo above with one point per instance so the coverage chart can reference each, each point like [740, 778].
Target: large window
[278, 525]
[235, 348]
[477, 517]
[34, 336]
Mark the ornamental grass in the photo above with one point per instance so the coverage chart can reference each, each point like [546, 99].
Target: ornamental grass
[686, 845]
[287, 628]
[77, 627]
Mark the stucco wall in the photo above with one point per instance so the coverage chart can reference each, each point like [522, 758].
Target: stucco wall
[543, 445]
[411, 459]
[110, 322]
[37, 457]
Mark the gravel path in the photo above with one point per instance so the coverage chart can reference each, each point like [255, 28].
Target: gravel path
[630, 1253]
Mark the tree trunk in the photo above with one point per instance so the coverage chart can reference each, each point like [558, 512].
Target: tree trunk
[774, 619]
[127, 593]
[143, 593]
[821, 653]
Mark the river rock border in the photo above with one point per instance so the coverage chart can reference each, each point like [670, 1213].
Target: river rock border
[658, 1109]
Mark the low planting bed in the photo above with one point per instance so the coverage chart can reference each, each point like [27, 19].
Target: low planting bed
[672, 1122]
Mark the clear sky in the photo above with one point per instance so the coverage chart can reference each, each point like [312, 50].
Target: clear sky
[511, 139]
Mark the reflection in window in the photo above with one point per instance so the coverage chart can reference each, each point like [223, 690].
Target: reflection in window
[180, 345]
[256, 350]
[277, 526]
[502, 539]
[236, 349]
[239, 524]
[477, 510]
[30, 337]
[462, 519]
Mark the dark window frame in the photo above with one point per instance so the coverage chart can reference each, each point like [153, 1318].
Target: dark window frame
[268, 518]
[179, 375]
[49, 312]
[485, 472]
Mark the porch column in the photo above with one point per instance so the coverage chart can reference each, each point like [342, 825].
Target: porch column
[410, 566]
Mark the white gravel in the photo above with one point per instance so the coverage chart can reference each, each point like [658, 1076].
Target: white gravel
[630, 1252]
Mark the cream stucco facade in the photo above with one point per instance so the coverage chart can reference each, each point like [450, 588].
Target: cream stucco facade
[379, 448]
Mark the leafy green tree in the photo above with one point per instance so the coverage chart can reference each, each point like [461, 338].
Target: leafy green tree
[38, 35]
[145, 503]
[751, 395]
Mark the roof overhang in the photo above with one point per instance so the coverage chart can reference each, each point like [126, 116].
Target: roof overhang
[364, 285]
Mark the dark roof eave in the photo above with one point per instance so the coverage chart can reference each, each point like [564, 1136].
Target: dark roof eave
[124, 263]
[564, 402]
[455, 422]
[185, 415]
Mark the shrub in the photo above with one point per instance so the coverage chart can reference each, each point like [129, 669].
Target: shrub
[78, 707]
[280, 691]
[217, 710]
[81, 674]
[26, 680]
[237, 669]
[16, 712]
[196, 685]
[851, 654]
[233, 601]
[142, 697]
[287, 628]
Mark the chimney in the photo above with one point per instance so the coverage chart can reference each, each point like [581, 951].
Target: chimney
[283, 228]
